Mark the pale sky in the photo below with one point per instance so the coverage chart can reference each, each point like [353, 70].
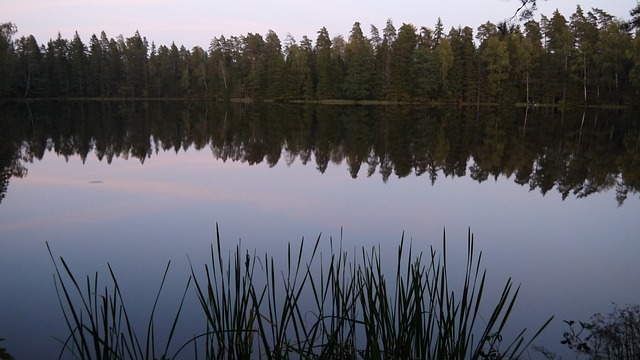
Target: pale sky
[196, 22]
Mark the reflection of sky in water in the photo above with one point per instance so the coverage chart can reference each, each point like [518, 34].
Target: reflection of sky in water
[573, 258]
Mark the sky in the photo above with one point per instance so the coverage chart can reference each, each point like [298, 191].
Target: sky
[195, 22]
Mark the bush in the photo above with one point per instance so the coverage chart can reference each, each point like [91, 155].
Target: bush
[612, 336]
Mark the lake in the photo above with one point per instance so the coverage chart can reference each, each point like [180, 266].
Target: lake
[551, 198]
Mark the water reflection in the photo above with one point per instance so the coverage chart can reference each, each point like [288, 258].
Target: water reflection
[577, 153]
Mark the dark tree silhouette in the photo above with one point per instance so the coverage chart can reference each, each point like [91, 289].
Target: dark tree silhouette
[635, 17]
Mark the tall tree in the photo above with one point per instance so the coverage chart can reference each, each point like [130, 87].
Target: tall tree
[633, 54]
[250, 65]
[153, 71]
[438, 33]
[635, 17]
[272, 65]
[464, 68]
[534, 37]
[198, 61]
[359, 62]
[114, 65]
[298, 73]
[383, 59]
[7, 58]
[485, 31]
[338, 51]
[97, 67]
[79, 66]
[444, 57]
[135, 56]
[307, 67]
[326, 66]
[586, 36]
[186, 71]
[560, 45]
[222, 55]
[425, 70]
[521, 54]
[612, 60]
[378, 48]
[58, 67]
[495, 57]
[30, 59]
[402, 82]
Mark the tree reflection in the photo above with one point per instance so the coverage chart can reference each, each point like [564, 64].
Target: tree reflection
[14, 150]
[575, 153]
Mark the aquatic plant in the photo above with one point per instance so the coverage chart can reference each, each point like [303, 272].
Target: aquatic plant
[340, 306]
[347, 308]
[98, 323]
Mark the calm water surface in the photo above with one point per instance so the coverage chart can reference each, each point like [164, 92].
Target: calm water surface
[137, 187]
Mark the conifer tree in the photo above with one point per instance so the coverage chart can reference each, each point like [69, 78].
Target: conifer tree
[402, 82]
[359, 63]
[7, 58]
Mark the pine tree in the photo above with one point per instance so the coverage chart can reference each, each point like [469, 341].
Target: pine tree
[79, 66]
[359, 63]
[402, 82]
[272, 66]
[326, 67]
[560, 45]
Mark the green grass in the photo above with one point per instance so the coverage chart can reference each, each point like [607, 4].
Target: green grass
[335, 305]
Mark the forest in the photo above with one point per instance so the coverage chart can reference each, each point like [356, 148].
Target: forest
[591, 58]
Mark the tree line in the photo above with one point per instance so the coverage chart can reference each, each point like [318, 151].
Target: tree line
[592, 57]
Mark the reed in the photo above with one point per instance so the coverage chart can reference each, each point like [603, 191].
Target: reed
[347, 308]
[97, 320]
[335, 305]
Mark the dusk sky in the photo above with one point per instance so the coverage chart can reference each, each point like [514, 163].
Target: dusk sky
[196, 22]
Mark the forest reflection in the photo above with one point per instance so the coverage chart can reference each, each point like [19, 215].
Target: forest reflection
[577, 152]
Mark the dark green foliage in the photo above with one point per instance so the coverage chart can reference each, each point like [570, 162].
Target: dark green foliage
[402, 60]
[635, 18]
[591, 59]
[463, 75]
[327, 67]
[425, 74]
[79, 67]
[272, 67]
[8, 60]
[135, 60]
[359, 62]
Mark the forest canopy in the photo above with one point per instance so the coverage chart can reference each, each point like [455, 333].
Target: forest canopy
[591, 57]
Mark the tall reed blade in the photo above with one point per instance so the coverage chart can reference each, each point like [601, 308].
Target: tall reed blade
[328, 307]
